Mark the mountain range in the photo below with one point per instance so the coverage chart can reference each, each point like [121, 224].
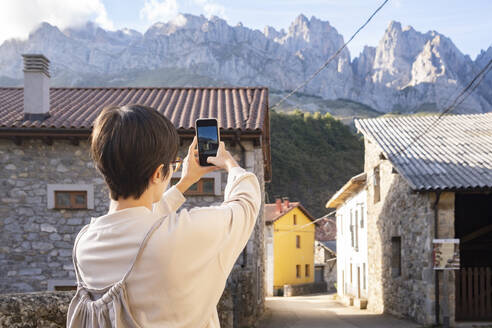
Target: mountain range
[408, 71]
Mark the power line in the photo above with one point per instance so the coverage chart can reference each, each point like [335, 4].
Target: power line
[305, 225]
[457, 101]
[470, 87]
[331, 58]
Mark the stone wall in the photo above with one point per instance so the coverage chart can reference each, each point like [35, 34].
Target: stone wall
[35, 309]
[36, 242]
[327, 259]
[304, 289]
[410, 216]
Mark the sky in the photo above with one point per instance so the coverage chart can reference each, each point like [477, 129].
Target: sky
[467, 23]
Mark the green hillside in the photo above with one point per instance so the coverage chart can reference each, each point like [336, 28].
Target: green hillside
[313, 155]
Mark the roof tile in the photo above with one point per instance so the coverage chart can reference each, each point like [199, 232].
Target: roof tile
[236, 108]
[455, 153]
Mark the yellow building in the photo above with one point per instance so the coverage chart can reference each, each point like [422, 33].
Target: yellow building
[289, 245]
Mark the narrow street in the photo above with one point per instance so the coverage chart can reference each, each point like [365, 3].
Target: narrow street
[318, 311]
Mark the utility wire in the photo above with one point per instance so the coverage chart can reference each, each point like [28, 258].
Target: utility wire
[457, 101]
[331, 58]
[301, 227]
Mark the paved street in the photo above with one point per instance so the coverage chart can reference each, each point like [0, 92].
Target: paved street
[318, 311]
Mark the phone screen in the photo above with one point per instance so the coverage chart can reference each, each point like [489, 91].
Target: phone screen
[208, 139]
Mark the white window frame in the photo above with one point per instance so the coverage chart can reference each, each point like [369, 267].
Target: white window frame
[217, 176]
[89, 188]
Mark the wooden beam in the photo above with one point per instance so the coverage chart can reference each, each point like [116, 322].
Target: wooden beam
[477, 233]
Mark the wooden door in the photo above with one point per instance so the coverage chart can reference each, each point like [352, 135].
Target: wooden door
[473, 293]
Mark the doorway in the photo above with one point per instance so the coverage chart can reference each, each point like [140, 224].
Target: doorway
[473, 226]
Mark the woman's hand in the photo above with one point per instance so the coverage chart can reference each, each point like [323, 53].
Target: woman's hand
[192, 171]
[224, 159]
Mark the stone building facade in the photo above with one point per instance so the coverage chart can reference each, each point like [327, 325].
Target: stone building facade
[439, 187]
[325, 251]
[325, 263]
[36, 241]
[44, 155]
[404, 216]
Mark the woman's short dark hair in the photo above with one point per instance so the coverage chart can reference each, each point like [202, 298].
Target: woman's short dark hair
[128, 143]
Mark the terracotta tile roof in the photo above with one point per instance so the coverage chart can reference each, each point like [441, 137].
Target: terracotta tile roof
[455, 154]
[73, 111]
[242, 109]
[272, 215]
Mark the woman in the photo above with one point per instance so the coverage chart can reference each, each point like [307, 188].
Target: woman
[179, 274]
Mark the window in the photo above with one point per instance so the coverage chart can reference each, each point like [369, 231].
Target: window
[298, 241]
[362, 216]
[350, 272]
[295, 219]
[396, 256]
[70, 199]
[352, 239]
[376, 184]
[205, 186]
[356, 230]
[70, 196]
[363, 275]
[298, 271]
[209, 185]
[307, 270]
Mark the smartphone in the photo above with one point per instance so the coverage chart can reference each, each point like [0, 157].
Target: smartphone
[208, 137]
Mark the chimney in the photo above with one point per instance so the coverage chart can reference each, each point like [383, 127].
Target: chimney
[36, 87]
[278, 202]
[286, 202]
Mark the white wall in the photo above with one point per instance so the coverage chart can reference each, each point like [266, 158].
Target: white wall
[269, 259]
[348, 254]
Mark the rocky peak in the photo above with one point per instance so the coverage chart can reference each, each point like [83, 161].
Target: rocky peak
[272, 33]
[44, 29]
[180, 22]
[484, 57]
[405, 70]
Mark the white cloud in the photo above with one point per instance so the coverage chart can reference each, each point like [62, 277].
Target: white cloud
[168, 10]
[159, 11]
[211, 8]
[19, 17]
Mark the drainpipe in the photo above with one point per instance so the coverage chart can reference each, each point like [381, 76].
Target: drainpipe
[436, 236]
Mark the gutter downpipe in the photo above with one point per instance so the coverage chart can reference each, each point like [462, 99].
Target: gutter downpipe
[436, 236]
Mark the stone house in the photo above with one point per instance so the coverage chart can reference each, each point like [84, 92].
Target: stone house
[49, 187]
[325, 251]
[429, 178]
[350, 203]
[325, 263]
[289, 239]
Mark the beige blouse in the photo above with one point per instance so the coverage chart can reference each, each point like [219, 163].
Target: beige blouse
[182, 272]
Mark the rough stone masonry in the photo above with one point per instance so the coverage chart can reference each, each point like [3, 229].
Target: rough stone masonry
[36, 242]
[407, 215]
